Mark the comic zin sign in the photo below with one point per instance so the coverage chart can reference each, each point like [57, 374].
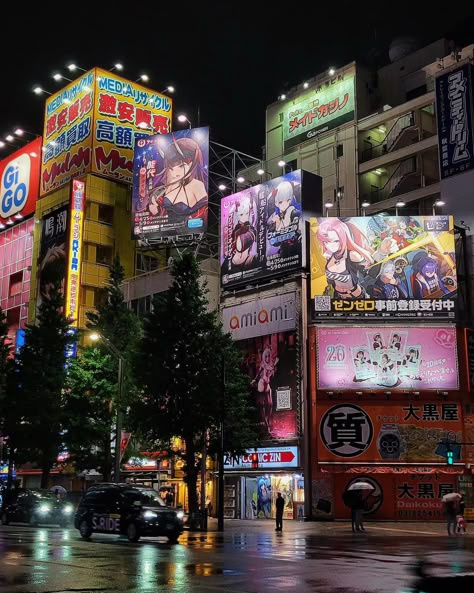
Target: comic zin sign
[383, 266]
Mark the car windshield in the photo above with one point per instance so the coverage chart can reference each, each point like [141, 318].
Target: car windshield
[44, 495]
[150, 497]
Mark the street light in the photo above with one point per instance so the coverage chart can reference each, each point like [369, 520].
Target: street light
[39, 90]
[169, 89]
[182, 118]
[399, 204]
[328, 206]
[438, 203]
[365, 204]
[118, 66]
[73, 67]
[58, 76]
[143, 77]
[95, 337]
[281, 163]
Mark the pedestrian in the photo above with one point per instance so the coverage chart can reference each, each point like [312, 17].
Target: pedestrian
[452, 508]
[359, 513]
[280, 505]
[169, 498]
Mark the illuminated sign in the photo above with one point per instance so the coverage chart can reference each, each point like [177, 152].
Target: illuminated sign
[318, 110]
[19, 183]
[75, 251]
[383, 266]
[395, 358]
[268, 458]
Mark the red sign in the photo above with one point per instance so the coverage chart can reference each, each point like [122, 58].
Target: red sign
[19, 183]
[271, 457]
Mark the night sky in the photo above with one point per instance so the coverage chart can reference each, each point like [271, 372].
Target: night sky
[230, 61]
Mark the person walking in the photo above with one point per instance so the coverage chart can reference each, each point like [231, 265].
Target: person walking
[452, 508]
[359, 513]
[280, 505]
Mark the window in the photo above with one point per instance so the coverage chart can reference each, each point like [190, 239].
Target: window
[100, 296]
[339, 150]
[16, 281]
[104, 255]
[106, 214]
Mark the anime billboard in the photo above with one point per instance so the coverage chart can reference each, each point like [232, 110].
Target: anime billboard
[397, 358]
[271, 363]
[383, 266]
[262, 231]
[170, 185]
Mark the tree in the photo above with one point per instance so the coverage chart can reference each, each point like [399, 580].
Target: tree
[4, 356]
[180, 366]
[90, 400]
[35, 391]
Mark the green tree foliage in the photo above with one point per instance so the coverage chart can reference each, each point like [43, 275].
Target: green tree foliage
[5, 347]
[180, 367]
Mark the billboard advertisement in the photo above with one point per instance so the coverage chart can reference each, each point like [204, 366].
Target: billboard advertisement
[262, 231]
[454, 114]
[261, 316]
[123, 112]
[383, 266]
[319, 110]
[397, 358]
[268, 458]
[19, 183]
[78, 202]
[52, 261]
[389, 432]
[270, 361]
[170, 185]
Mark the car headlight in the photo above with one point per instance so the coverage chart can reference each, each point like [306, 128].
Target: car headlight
[44, 508]
[149, 515]
[68, 509]
[180, 515]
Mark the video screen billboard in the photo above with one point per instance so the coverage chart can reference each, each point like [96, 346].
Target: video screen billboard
[262, 231]
[398, 358]
[170, 184]
[383, 266]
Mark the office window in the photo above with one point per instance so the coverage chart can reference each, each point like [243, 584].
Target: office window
[16, 282]
[104, 255]
[106, 214]
[339, 150]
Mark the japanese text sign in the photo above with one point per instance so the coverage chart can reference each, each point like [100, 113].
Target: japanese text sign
[398, 358]
[383, 266]
[75, 251]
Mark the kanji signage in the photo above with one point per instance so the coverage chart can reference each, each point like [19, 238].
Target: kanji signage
[318, 110]
[398, 358]
[268, 458]
[398, 432]
[75, 251]
[383, 266]
[420, 496]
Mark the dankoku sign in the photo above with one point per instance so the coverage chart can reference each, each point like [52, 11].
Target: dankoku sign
[92, 124]
[19, 183]
[268, 458]
[75, 251]
[261, 317]
[320, 109]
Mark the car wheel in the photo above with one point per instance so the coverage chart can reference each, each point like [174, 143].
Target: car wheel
[5, 519]
[85, 529]
[133, 534]
[173, 539]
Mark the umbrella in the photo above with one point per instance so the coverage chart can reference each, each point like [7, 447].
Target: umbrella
[60, 489]
[361, 486]
[451, 496]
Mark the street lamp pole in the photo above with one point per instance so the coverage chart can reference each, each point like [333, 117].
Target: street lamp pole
[220, 489]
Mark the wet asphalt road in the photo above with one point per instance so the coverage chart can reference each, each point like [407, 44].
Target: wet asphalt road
[249, 558]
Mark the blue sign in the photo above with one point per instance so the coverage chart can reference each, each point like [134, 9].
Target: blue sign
[20, 340]
[454, 111]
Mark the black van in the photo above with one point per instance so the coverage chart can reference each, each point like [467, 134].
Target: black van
[128, 510]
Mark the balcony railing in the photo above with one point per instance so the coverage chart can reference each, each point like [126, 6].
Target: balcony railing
[405, 170]
[391, 138]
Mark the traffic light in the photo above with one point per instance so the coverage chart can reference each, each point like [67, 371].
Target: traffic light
[254, 458]
[449, 455]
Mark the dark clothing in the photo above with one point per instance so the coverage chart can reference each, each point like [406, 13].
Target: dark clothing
[280, 505]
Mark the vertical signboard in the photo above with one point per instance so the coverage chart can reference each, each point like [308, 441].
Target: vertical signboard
[67, 136]
[19, 183]
[123, 112]
[75, 251]
[170, 185]
[454, 114]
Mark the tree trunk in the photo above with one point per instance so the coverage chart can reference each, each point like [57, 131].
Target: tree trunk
[46, 470]
[191, 473]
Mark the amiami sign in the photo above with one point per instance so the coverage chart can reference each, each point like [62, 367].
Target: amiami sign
[261, 317]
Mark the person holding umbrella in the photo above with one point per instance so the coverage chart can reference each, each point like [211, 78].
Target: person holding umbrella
[451, 505]
[354, 498]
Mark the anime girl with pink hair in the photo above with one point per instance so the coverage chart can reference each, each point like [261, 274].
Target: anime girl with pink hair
[347, 251]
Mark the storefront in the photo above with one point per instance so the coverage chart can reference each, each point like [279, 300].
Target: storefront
[250, 491]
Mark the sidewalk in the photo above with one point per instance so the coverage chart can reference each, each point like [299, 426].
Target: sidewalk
[341, 528]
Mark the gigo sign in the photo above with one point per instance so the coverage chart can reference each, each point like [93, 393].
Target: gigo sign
[19, 178]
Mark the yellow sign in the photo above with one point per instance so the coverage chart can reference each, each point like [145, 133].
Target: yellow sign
[92, 124]
[75, 251]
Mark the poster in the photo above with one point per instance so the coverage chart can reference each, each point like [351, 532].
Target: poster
[420, 496]
[170, 184]
[262, 231]
[387, 357]
[396, 432]
[383, 266]
[270, 361]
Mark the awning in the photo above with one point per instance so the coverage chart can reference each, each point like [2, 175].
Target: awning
[390, 469]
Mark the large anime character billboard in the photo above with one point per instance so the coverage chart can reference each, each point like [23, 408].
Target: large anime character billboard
[170, 185]
[383, 266]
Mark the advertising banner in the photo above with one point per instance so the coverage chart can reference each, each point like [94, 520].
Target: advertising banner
[402, 432]
[383, 266]
[170, 185]
[124, 111]
[78, 202]
[19, 183]
[397, 358]
[319, 110]
[270, 361]
[420, 496]
[52, 261]
[261, 316]
[67, 136]
[268, 458]
[454, 114]
[262, 231]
